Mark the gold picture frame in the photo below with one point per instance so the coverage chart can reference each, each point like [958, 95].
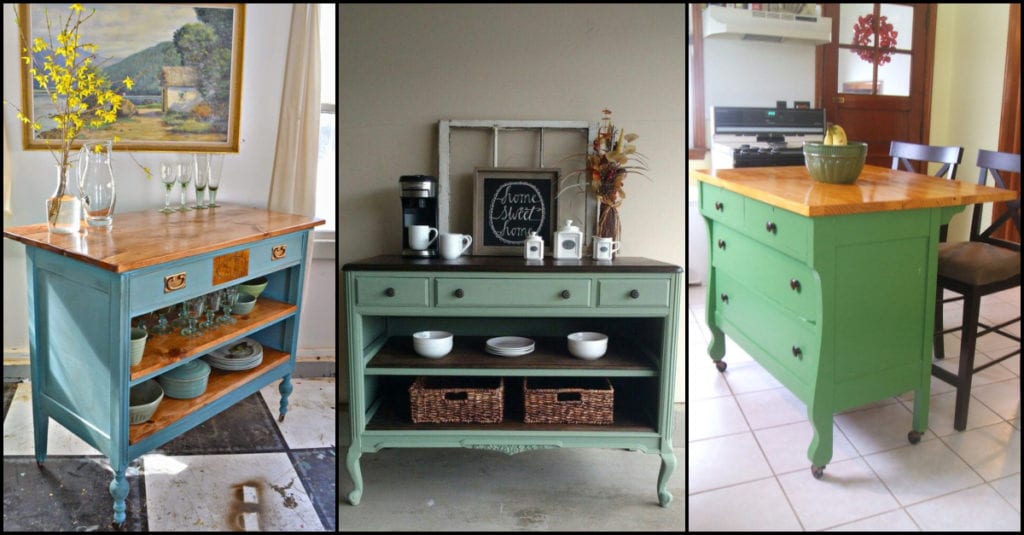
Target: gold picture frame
[177, 107]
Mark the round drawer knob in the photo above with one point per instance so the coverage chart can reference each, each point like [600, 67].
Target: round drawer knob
[797, 352]
[725, 298]
[635, 294]
[459, 293]
[565, 294]
[721, 244]
[770, 227]
[719, 206]
[390, 292]
[794, 285]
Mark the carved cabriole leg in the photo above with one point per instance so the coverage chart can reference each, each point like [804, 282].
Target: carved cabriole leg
[820, 450]
[352, 463]
[285, 388]
[119, 491]
[668, 465]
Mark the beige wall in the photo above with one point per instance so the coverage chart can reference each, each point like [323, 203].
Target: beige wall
[967, 88]
[403, 68]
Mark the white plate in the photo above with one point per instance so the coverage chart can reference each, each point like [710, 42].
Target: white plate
[510, 343]
[508, 354]
[242, 355]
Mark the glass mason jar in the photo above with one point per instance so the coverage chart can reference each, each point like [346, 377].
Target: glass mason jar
[96, 183]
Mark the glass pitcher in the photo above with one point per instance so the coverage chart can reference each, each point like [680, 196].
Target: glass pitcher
[96, 183]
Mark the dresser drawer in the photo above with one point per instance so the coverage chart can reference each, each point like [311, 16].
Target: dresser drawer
[392, 291]
[273, 253]
[532, 292]
[721, 205]
[632, 293]
[778, 228]
[788, 340]
[773, 274]
[170, 283]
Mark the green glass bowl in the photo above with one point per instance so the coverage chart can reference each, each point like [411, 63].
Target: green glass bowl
[835, 164]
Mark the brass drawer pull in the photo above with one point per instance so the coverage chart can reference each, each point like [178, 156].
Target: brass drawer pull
[174, 282]
[278, 252]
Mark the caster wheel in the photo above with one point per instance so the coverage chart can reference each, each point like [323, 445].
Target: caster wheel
[914, 437]
[817, 471]
[720, 365]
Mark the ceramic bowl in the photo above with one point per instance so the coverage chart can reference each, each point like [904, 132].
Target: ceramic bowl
[253, 287]
[587, 345]
[835, 164]
[186, 381]
[138, 344]
[244, 304]
[432, 344]
[143, 399]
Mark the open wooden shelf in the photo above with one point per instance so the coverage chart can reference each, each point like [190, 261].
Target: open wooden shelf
[164, 350]
[218, 384]
[551, 353]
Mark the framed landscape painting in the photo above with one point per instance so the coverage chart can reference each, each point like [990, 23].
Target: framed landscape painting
[185, 61]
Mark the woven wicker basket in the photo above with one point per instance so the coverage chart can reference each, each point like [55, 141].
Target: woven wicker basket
[457, 400]
[575, 401]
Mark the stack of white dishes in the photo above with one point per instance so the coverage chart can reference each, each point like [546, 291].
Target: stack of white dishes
[243, 355]
[510, 346]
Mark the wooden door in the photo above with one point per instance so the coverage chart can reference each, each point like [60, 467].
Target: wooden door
[875, 79]
[1009, 121]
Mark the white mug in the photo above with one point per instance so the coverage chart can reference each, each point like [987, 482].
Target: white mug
[453, 245]
[419, 236]
[604, 248]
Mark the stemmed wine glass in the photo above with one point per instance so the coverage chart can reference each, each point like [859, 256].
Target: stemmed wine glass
[212, 304]
[168, 178]
[162, 325]
[216, 162]
[201, 164]
[194, 309]
[184, 171]
[227, 302]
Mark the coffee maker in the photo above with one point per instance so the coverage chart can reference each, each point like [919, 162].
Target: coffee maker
[419, 207]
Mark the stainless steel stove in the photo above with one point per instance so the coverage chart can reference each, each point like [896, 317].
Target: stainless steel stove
[762, 137]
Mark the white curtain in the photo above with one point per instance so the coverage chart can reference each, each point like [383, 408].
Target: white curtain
[293, 184]
[7, 175]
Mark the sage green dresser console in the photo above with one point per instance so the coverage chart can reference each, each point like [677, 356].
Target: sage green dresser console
[635, 301]
[831, 288]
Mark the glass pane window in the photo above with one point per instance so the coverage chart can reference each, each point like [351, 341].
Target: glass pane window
[869, 37]
[327, 159]
[902, 20]
[894, 77]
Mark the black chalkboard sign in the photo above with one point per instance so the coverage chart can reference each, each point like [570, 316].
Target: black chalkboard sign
[508, 204]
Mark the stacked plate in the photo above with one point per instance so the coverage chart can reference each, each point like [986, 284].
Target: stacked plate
[510, 346]
[243, 355]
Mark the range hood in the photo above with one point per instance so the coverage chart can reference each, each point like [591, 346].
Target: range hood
[769, 26]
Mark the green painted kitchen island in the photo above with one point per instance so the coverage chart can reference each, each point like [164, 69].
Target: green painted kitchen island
[831, 288]
[635, 301]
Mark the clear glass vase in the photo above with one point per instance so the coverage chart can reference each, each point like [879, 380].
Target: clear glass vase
[63, 210]
[96, 183]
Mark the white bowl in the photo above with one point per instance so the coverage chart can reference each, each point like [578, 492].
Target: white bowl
[588, 346]
[432, 344]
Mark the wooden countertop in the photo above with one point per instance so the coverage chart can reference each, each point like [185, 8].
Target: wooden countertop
[877, 189]
[142, 239]
[512, 264]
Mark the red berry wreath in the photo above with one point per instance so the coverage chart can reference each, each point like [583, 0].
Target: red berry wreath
[864, 28]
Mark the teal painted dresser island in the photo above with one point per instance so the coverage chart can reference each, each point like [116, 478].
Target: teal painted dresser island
[634, 301]
[86, 290]
[831, 288]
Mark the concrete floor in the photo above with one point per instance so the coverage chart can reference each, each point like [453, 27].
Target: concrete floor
[454, 489]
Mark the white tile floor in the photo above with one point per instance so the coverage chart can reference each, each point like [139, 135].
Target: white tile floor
[748, 439]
